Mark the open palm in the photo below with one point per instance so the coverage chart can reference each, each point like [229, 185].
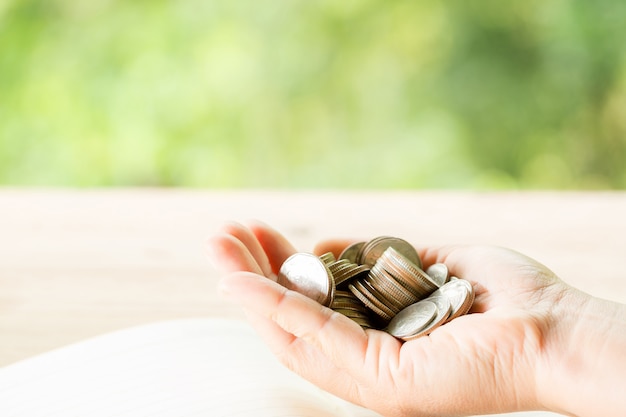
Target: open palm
[483, 362]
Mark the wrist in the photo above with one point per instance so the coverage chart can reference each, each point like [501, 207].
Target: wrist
[583, 363]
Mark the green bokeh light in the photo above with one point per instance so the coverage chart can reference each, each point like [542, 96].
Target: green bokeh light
[326, 94]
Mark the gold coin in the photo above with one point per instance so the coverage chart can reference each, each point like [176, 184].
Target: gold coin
[344, 271]
[327, 258]
[364, 323]
[352, 313]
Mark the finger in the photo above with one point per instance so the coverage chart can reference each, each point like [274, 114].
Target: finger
[453, 256]
[274, 336]
[462, 261]
[250, 241]
[335, 246]
[340, 339]
[275, 245]
[299, 356]
[433, 254]
[228, 254]
[489, 269]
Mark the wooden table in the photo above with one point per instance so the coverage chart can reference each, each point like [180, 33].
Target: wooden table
[77, 263]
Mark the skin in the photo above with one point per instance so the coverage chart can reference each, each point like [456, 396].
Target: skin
[531, 341]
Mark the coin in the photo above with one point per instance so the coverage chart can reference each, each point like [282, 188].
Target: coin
[364, 323]
[345, 300]
[363, 294]
[412, 319]
[308, 275]
[351, 253]
[461, 295]
[343, 294]
[443, 312]
[338, 267]
[439, 273]
[375, 248]
[328, 258]
[380, 284]
[385, 298]
[343, 271]
[407, 273]
[386, 283]
[377, 299]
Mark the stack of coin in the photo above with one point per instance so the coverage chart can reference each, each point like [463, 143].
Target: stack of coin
[395, 280]
[347, 304]
[344, 271]
[367, 253]
[453, 299]
[380, 284]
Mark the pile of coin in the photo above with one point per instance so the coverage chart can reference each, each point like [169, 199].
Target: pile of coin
[380, 284]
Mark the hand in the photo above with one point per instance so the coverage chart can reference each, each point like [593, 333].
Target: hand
[502, 357]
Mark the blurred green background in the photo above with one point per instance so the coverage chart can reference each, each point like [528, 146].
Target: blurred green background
[313, 94]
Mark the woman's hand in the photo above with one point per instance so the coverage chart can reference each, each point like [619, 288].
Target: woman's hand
[503, 357]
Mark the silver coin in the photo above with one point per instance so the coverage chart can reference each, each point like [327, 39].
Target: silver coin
[439, 273]
[463, 287]
[377, 246]
[457, 293]
[412, 319]
[407, 273]
[387, 284]
[443, 312]
[351, 253]
[308, 275]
